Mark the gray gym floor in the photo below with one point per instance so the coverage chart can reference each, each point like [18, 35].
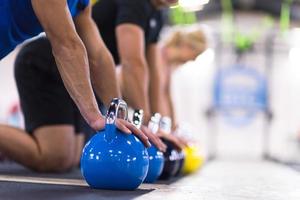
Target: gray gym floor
[218, 180]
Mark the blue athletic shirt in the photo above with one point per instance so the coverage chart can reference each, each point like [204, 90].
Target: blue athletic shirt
[18, 22]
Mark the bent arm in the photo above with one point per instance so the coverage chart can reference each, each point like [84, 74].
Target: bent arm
[70, 55]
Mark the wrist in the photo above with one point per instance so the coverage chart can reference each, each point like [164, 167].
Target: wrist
[174, 127]
[146, 118]
[93, 116]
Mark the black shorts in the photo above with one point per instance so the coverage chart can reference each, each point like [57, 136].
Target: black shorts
[43, 97]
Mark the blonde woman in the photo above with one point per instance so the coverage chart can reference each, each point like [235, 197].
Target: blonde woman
[179, 47]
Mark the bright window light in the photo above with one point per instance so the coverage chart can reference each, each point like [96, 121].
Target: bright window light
[192, 5]
[294, 56]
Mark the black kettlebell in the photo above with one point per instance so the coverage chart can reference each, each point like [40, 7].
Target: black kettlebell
[181, 158]
[172, 162]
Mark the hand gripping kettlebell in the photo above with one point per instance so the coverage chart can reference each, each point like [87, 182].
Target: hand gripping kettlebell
[172, 162]
[156, 157]
[113, 159]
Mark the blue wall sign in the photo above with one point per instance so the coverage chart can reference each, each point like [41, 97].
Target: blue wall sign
[240, 93]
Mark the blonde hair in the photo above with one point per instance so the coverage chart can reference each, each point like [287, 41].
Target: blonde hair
[196, 39]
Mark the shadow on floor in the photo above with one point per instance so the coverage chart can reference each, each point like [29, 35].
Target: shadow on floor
[13, 169]
[170, 181]
[26, 191]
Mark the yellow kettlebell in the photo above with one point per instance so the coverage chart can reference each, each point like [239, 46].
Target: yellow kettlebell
[193, 160]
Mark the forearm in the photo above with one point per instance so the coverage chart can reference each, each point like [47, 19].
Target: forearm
[135, 75]
[171, 111]
[167, 108]
[167, 99]
[72, 62]
[103, 75]
[102, 67]
[135, 86]
[155, 92]
[70, 55]
[157, 81]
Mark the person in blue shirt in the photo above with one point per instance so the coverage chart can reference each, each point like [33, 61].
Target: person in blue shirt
[82, 60]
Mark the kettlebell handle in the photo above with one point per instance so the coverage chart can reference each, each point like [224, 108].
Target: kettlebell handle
[112, 113]
[137, 118]
[165, 124]
[153, 124]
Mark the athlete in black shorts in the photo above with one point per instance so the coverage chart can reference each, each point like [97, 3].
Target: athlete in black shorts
[53, 144]
[46, 103]
[43, 97]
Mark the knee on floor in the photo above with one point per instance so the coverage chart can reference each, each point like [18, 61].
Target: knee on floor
[55, 162]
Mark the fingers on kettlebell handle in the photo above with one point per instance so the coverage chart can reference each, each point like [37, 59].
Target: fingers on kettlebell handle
[164, 146]
[159, 144]
[179, 143]
[122, 127]
[129, 128]
[139, 134]
[142, 137]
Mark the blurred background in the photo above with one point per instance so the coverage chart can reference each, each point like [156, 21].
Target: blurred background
[240, 98]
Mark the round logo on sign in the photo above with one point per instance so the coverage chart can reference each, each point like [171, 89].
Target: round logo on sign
[239, 93]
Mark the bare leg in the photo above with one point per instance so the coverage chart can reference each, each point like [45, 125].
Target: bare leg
[2, 158]
[50, 148]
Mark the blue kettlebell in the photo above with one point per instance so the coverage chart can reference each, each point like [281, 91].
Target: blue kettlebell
[112, 159]
[156, 157]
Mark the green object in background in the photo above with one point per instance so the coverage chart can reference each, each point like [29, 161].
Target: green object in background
[243, 42]
[268, 22]
[285, 15]
[178, 16]
[227, 20]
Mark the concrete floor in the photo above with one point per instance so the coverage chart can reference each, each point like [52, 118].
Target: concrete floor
[218, 180]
